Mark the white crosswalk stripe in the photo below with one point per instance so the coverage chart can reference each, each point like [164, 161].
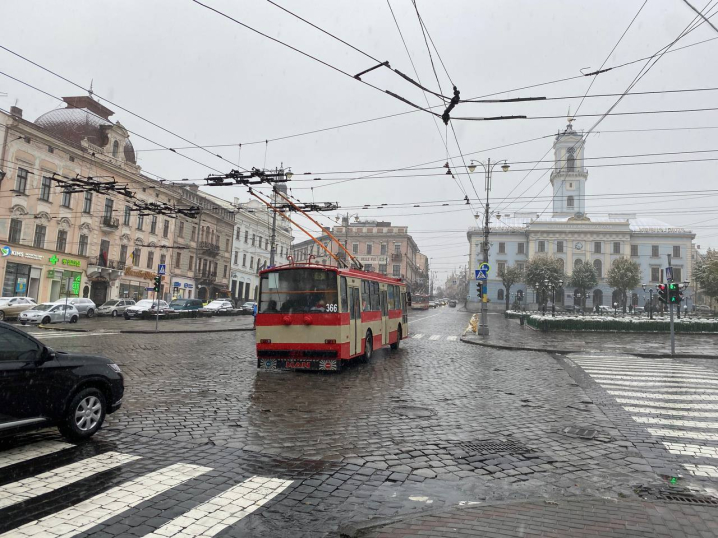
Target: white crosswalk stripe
[24, 453]
[435, 337]
[675, 401]
[224, 510]
[57, 478]
[452, 338]
[419, 336]
[50, 334]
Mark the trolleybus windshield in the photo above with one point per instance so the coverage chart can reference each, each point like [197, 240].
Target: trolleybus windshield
[298, 291]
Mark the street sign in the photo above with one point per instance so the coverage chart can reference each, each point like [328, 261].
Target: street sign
[482, 273]
[669, 274]
[161, 268]
[149, 289]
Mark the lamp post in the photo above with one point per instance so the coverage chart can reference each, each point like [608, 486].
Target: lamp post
[553, 294]
[536, 290]
[578, 296]
[615, 309]
[488, 168]
[650, 300]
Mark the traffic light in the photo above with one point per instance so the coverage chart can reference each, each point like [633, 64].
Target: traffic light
[662, 293]
[158, 281]
[674, 293]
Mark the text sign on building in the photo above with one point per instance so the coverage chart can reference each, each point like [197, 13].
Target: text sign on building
[7, 251]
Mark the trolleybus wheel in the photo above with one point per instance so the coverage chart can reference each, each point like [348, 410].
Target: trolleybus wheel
[368, 346]
[395, 345]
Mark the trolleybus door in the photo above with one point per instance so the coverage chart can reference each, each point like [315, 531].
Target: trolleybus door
[354, 321]
[384, 318]
[404, 314]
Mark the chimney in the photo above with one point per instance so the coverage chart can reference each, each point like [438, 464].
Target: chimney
[16, 111]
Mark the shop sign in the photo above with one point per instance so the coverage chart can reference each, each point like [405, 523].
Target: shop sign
[188, 286]
[177, 285]
[76, 285]
[65, 261]
[149, 275]
[7, 251]
[51, 273]
[21, 285]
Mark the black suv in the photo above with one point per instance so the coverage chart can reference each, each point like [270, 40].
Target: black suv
[41, 387]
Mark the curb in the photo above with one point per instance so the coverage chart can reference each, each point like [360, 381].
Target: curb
[568, 351]
[66, 329]
[194, 331]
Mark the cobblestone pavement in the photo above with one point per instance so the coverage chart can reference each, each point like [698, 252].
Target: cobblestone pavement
[432, 425]
[508, 332]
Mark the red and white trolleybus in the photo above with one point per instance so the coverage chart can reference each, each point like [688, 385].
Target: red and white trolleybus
[317, 317]
[419, 302]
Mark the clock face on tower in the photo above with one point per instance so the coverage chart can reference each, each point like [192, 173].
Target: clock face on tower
[578, 245]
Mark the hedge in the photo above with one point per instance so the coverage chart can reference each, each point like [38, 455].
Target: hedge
[611, 324]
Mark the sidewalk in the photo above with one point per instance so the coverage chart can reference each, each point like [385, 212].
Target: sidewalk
[574, 518]
[509, 334]
[137, 326]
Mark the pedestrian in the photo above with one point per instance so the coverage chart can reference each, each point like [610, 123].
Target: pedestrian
[254, 314]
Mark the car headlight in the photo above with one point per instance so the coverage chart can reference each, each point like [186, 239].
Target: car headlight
[115, 367]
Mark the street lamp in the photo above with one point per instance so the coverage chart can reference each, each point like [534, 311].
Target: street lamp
[615, 308]
[650, 301]
[536, 292]
[488, 168]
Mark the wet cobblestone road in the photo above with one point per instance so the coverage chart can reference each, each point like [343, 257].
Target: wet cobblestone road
[206, 445]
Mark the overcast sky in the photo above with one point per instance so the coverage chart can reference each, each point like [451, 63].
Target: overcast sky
[215, 82]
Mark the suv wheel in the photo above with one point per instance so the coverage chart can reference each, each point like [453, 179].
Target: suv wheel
[90, 313]
[114, 313]
[46, 320]
[84, 415]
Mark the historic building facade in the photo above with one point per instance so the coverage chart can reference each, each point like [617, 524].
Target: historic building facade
[574, 236]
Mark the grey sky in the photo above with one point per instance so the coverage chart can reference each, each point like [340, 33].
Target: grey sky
[214, 82]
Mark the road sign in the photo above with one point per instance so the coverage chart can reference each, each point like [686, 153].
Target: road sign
[669, 274]
[149, 289]
[482, 273]
[161, 268]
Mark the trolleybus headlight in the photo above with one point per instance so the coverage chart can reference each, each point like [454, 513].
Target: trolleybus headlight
[287, 320]
[307, 320]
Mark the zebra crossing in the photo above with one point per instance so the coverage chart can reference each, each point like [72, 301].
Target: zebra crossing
[434, 337]
[44, 335]
[677, 403]
[207, 519]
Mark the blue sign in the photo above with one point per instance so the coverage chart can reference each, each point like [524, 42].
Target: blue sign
[161, 268]
[188, 286]
[177, 285]
[482, 273]
[669, 273]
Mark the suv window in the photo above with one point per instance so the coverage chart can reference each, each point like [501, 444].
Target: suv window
[14, 346]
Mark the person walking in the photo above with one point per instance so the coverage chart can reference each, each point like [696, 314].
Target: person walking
[254, 314]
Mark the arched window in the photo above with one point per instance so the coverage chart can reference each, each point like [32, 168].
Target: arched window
[561, 264]
[501, 295]
[570, 163]
[598, 266]
[115, 148]
[577, 263]
[569, 201]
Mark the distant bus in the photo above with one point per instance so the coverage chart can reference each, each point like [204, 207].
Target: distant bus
[316, 317]
[419, 302]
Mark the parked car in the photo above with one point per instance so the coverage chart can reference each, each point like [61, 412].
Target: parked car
[432, 304]
[11, 307]
[638, 309]
[248, 307]
[86, 307]
[605, 309]
[219, 305]
[452, 303]
[145, 305]
[46, 313]
[186, 304]
[40, 387]
[702, 309]
[114, 307]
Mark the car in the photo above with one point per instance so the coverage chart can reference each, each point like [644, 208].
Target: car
[432, 304]
[186, 304]
[11, 307]
[114, 307]
[452, 303]
[145, 305]
[86, 307]
[219, 305]
[40, 387]
[47, 313]
[638, 309]
[605, 309]
[702, 309]
[248, 307]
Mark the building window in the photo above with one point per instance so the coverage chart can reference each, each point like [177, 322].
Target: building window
[542, 246]
[150, 259]
[226, 245]
[128, 216]
[21, 180]
[66, 198]
[382, 249]
[397, 248]
[246, 236]
[225, 271]
[676, 252]
[396, 270]
[61, 243]
[180, 232]
[163, 259]
[50, 149]
[115, 148]
[655, 274]
[109, 203]
[244, 260]
[136, 257]
[82, 248]
[502, 248]
[677, 274]
[521, 266]
[654, 251]
[355, 248]
[253, 238]
[87, 202]
[193, 234]
[166, 229]
[45, 187]
[190, 265]
[123, 254]
[634, 250]
[382, 268]
[561, 264]
[559, 246]
[501, 268]
[616, 247]
[597, 247]
[521, 248]
[236, 257]
[369, 248]
[569, 201]
[238, 235]
[251, 262]
[500, 295]
[140, 221]
[598, 266]
[153, 224]
[571, 163]
[577, 263]
[39, 240]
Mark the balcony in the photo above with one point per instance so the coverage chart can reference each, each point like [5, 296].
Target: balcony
[396, 257]
[100, 266]
[207, 279]
[209, 249]
[109, 223]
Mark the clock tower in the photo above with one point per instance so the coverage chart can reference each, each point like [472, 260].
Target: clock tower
[568, 177]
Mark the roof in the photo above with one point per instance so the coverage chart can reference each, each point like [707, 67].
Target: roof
[357, 273]
[635, 224]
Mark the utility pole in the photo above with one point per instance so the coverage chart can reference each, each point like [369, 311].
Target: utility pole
[670, 306]
[273, 242]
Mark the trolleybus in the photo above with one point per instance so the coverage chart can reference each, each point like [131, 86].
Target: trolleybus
[315, 317]
[419, 302]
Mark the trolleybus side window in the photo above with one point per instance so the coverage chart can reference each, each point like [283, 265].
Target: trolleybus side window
[299, 291]
[390, 296]
[374, 296]
[344, 294]
[365, 296]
